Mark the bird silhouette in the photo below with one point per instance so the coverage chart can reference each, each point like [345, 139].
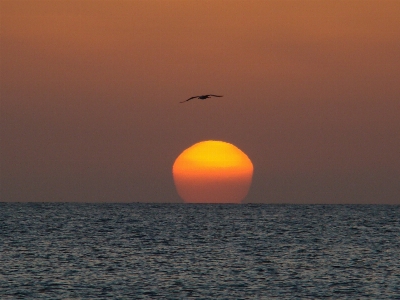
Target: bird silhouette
[202, 97]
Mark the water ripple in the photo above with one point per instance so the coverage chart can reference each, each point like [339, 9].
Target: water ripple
[176, 251]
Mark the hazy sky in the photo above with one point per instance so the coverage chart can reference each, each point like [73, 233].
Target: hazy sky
[90, 92]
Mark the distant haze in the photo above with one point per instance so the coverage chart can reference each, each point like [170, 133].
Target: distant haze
[90, 94]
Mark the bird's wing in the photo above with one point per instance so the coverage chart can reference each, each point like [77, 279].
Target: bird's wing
[215, 95]
[188, 99]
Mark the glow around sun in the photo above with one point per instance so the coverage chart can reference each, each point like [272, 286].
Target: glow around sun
[212, 172]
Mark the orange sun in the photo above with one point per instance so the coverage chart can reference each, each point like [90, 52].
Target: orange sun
[212, 172]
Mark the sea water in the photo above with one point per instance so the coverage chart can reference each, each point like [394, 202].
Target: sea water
[178, 251]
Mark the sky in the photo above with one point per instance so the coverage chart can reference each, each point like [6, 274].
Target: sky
[90, 95]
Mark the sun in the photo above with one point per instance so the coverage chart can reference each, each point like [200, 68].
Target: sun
[212, 172]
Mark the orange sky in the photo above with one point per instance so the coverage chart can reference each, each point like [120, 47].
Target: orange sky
[90, 92]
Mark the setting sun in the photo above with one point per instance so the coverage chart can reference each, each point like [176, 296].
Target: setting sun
[212, 172]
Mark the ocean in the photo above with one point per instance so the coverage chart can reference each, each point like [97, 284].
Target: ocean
[199, 251]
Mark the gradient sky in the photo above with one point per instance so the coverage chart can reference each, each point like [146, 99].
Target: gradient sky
[90, 92]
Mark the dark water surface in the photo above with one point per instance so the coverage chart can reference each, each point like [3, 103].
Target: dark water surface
[177, 251]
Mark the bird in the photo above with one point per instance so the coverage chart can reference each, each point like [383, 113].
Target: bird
[202, 97]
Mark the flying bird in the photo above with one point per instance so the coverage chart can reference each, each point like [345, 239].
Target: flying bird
[202, 97]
